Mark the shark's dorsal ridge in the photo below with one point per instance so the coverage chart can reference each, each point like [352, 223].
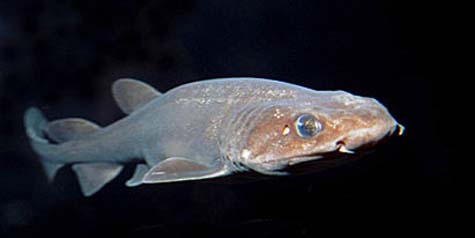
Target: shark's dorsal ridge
[131, 94]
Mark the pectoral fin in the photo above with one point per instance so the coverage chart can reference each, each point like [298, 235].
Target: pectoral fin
[182, 169]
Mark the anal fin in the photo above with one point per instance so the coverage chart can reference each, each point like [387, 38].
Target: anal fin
[182, 169]
[93, 176]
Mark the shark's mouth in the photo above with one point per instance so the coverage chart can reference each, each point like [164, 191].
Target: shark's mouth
[305, 163]
[286, 163]
[341, 155]
[322, 160]
[340, 151]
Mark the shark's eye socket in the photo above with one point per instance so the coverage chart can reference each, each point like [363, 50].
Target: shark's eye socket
[307, 126]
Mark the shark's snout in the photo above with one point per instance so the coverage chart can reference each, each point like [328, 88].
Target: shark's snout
[370, 126]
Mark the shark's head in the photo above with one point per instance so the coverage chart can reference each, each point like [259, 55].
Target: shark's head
[288, 132]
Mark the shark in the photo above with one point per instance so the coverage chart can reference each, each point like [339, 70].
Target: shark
[208, 129]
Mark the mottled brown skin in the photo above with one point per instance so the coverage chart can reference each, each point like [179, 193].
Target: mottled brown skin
[273, 143]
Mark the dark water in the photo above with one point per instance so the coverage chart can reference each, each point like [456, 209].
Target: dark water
[63, 56]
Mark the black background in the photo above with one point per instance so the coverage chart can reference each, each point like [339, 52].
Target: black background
[62, 56]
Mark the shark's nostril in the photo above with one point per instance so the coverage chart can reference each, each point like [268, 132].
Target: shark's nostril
[401, 129]
[398, 128]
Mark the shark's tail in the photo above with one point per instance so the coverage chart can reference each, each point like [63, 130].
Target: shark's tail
[35, 125]
[92, 176]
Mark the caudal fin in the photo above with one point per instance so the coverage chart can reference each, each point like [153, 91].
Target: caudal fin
[92, 176]
[35, 125]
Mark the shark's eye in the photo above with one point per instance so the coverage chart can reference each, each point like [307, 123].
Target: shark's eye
[307, 126]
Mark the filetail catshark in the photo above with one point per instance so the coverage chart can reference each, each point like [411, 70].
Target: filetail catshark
[208, 129]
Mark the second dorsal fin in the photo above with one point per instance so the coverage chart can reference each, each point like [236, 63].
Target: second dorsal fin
[67, 129]
[131, 94]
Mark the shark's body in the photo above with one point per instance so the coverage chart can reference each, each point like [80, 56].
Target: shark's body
[208, 129]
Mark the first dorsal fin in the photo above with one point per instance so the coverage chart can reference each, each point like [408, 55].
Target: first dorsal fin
[131, 94]
[63, 130]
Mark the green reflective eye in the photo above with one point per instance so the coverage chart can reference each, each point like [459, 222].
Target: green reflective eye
[307, 126]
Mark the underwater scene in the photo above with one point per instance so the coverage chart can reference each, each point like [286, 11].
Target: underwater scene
[220, 118]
